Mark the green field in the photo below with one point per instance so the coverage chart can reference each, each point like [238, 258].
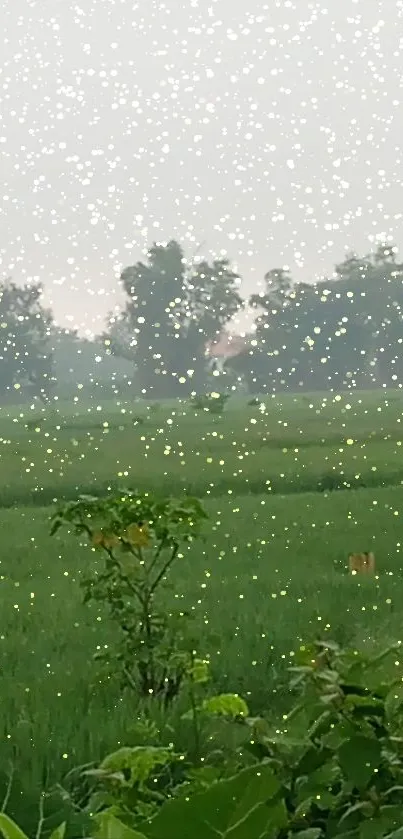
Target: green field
[296, 444]
[270, 574]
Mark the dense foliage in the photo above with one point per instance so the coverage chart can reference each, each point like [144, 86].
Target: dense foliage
[338, 332]
[332, 768]
[172, 311]
[25, 356]
[343, 332]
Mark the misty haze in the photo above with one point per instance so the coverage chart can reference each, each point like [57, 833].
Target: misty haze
[201, 410]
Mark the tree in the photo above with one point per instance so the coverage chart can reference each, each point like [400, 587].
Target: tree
[277, 342]
[150, 326]
[372, 292]
[119, 338]
[25, 355]
[171, 312]
[212, 301]
[339, 333]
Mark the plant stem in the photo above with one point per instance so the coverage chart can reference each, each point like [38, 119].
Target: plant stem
[164, 569]
[41, 817]
[157, 555]
[195, 715]
[8, 789]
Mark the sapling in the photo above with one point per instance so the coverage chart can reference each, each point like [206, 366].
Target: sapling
[140, 537]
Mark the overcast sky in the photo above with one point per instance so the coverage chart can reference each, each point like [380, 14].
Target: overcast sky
[269, 131]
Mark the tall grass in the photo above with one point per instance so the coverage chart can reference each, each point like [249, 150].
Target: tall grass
[270, 575]
[296, 445]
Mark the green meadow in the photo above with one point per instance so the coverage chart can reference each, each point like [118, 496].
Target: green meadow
[291, 486]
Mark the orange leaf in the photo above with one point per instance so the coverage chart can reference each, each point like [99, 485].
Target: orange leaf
[138, 536]
[104, 540]
[111, 540]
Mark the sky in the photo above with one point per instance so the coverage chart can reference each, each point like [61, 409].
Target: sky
[267, 132]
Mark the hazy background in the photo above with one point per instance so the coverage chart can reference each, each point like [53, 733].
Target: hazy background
[271, 132]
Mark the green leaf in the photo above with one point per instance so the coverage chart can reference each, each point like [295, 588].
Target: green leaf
[322, 725]
[58, 832]
[57, 524]
[312, 760]
[226, 704]
[359, 757]
[10, 829]
[199, 671]
[237, 808]
[394, 701]
[392, 790]
[386, 819]
[366, 808]
[317, 785]
[302, 810]
[397, 834]
[138, 761]
[310, 833]
[109, 827]
[370, 704]
[351, 834]
[305, 656]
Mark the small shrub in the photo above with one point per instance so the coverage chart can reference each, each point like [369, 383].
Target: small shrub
[332, 768]
[213, 403]
[140, 538]
[34, 424]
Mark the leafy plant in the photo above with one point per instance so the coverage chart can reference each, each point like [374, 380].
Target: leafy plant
[332, 770]
[248, 805]
[213, 403]
[140, 537]
[339, 753]
[10, 829]
[127, 782]
[133, 782]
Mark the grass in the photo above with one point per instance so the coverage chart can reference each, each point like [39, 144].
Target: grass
[270, 575]
[295, 445]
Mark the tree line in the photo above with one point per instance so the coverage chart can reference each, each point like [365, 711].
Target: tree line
[338, 333]
[39, 359]
[343, 332]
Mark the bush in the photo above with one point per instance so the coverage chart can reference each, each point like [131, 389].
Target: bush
[213, 403]
[331, 769]
[140, 537]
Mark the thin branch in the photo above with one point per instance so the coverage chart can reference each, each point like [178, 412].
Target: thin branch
[41, 816]
[164, 569]
[129, 583]
[157, 554]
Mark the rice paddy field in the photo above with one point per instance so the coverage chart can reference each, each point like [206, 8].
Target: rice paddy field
[291, 486]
